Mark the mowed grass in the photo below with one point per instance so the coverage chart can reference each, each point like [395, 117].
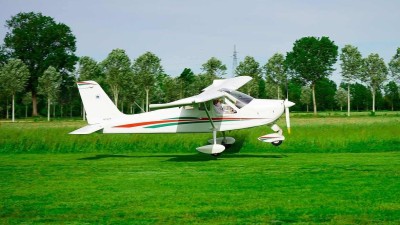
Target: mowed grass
[341, 188]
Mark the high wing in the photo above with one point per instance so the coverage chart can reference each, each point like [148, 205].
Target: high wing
[209, 93]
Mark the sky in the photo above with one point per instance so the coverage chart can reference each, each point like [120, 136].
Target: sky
[186, 33]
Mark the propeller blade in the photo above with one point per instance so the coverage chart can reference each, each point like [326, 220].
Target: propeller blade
[288, 104]
[287, 119]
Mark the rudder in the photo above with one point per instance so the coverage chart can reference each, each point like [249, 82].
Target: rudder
[98, 106]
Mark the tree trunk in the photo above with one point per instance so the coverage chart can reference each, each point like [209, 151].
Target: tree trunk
[54, 110]
[13, 108]
[7, 115]
[115, 93]
[348, 99]
[373, 99]
[26, 111]
[48, 109]
[307, 107]
[313, 98]
[147, 100]
[278, 92]
[34, 104]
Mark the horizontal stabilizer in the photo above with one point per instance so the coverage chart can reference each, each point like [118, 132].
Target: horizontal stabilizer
[88, 129]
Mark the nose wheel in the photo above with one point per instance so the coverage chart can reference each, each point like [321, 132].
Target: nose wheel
[277, 143]
[276, 138]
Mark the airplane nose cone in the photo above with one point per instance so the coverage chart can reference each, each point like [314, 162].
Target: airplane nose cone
[288, 103]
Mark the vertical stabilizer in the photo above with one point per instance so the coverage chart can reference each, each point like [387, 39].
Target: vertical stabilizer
[98, 106]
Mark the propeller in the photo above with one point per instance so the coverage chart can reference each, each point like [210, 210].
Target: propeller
[287, 104]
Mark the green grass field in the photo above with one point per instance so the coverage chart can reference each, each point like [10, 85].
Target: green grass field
[341, 188]
[330, 170]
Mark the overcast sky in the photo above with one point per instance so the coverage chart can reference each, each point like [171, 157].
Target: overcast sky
[188, 33]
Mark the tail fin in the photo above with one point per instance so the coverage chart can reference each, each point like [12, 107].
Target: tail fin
[98, 106]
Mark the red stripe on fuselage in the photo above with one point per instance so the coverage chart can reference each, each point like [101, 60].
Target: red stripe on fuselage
[149, 123]
[169, 121]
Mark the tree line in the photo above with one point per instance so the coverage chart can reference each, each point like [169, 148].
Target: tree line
[39, 71]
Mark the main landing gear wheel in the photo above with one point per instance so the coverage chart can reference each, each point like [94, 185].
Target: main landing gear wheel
[276, 143]
[216, 154]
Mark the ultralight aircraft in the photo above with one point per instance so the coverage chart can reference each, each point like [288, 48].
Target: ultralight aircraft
[220, 107]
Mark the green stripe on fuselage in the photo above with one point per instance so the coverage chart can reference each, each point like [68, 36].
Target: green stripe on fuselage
[183, 123]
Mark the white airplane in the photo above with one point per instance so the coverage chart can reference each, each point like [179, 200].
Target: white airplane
[218, 108]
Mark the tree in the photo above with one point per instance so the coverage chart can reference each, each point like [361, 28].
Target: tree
[13, 79]
[3, 55]
[27, 100]
[40, 42]
[374, 74]
[305, 96]
[351, 68]
[117, 70]
[186, 78]
[341, 97]
[88, 69]
[392, 95]
[394, 66]
[275, 71]
[312, 59]
[214, 68]
[250, 67]
[146, 68]
[49, 85]
[361, 96]
[325, 90]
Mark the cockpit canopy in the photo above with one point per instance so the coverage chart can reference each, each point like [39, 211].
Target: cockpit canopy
[240, 99]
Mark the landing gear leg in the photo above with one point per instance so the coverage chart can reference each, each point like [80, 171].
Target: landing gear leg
[215, 136]
[215, 142]
[214, 149]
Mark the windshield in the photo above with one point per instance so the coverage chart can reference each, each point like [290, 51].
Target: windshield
[241, 99]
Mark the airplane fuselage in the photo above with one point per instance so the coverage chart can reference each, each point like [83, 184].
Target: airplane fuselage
[194, 119]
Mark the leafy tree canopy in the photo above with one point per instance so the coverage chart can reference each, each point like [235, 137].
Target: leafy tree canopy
[214, 68]
[374, 71]
[117, 71]
[351, 64]
[13, 76]
[49, 83]
[394, 65]
[147, 67]
[88, 69]
[312, 58]
[250, 67]
[40, 42]
[3, 55]
[275, 69]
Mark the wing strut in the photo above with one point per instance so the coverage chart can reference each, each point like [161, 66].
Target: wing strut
[209, 117]
[214, 149]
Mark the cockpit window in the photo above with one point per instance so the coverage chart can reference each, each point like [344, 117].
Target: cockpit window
[241, 98]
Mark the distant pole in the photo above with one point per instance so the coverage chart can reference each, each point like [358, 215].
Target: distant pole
[234, 64]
